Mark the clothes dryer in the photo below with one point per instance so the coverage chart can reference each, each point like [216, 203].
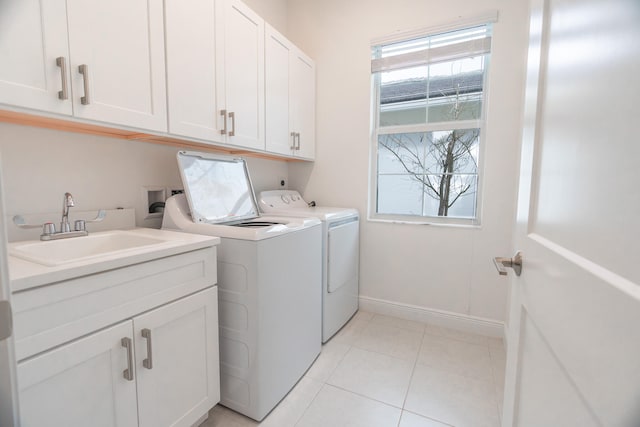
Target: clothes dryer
[269, 272]
[340, 253]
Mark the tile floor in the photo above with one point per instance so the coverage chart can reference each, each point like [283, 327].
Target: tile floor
[380, 371]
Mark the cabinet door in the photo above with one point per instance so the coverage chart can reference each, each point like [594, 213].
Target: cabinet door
[121, 42]
[80, 384]
[303, 104]
[192, 36]
[244, 74]
[177, 361]
[33, 34]
[278, 127]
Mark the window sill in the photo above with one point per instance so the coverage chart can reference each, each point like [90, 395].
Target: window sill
[468, 224]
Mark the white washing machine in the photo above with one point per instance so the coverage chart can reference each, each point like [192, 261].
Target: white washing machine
[340, 253]
[269, 272]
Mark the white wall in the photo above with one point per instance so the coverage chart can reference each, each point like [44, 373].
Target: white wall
[440, 268]
[273, 11]
[40, 165]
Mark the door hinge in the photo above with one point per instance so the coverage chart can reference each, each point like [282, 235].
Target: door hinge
[6, 322]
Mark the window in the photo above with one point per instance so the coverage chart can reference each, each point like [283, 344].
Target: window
[428, 120]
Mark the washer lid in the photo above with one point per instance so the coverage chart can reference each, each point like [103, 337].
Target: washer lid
[218, 188]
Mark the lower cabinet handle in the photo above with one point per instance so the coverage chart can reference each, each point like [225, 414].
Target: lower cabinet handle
[128, 373]
[148, 362]
[84, 70]
[223, 113]
[232, 116]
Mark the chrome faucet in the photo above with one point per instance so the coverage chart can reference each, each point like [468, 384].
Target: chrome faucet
[67, 203]
[49, 229]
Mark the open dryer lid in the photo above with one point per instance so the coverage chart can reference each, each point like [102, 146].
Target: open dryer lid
[218, 188]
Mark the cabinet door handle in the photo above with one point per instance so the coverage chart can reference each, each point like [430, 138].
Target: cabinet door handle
[232, 116]
[148, 362]
[62, 63]
[298, 145]
[223, 113]
[128, 373]
[84, 70]
[293, 140]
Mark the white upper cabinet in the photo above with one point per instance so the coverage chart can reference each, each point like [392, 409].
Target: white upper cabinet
[117, 61]
[33, 35]
[279, 128]
[226, 78]
[119, 44]
[192, 39]
[215, 69]
[244, 74]
[303, 80]
[290, 98]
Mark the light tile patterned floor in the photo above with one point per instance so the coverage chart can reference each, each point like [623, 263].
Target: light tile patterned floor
[388, 372]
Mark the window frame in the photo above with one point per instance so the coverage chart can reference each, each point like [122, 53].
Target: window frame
[376, 130]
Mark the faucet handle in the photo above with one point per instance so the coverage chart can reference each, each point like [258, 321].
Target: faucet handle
[48, 228]
[81, 224]
[101, 214]
[20, 222]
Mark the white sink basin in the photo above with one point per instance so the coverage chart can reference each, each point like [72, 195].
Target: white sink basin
[74, 249]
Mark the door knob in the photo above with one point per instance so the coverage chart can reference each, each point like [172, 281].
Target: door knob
[515, 263]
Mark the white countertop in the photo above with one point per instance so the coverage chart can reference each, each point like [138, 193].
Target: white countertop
[25, 274]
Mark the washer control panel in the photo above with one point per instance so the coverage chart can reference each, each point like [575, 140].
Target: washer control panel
[281, 199]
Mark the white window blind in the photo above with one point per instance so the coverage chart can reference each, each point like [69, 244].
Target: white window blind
[432, 49]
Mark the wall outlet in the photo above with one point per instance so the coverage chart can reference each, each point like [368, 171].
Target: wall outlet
[282, 182]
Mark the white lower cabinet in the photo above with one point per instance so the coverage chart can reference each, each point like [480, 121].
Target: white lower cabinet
[177, 361]
[159, 368]
[80, 383]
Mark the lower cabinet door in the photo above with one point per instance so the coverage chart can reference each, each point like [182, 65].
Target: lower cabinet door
[177, 361]
[81, 383]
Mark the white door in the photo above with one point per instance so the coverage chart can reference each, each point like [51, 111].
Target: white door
[192, 39]
[574, 342]
[121, 44]
[244, 74]
[278, 96]
[8, 378]
[82, 383]
[303, 105]
[33, 35]
[177, 361]
[342, 255]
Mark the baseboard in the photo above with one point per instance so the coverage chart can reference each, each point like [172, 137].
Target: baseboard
[445, 319]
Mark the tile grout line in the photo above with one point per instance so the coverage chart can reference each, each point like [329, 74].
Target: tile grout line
[493, 359]
[429, 418]
[309, 405]
[363, 396]
[413, 371]
[324, 382]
